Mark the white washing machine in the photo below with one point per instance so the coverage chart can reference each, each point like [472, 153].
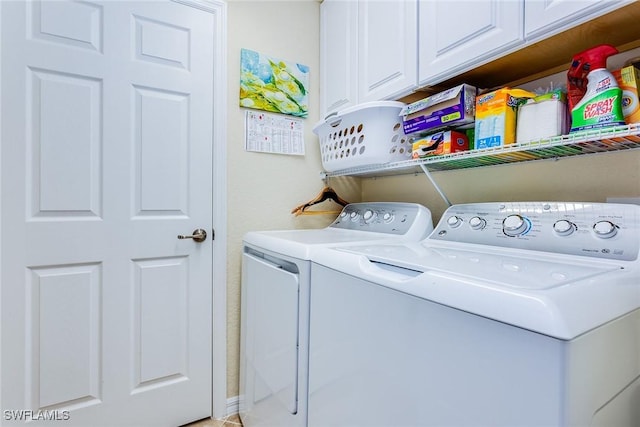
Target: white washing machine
[508, 314]
[276, 270]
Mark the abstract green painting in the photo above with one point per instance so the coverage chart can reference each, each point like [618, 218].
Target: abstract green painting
[272, 84]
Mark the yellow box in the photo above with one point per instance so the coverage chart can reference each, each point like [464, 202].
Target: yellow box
[629, 81]
[496, 114]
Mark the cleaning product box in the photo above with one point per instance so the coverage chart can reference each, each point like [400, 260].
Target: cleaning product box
[496, 114]
[451, 108]
[445, 142]
[544, 116]
[629, 81]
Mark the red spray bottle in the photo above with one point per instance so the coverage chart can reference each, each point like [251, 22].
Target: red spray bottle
[595, 100]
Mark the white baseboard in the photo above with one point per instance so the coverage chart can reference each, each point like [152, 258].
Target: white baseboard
[233, 405]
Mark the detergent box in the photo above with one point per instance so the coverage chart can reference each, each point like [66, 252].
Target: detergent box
[452, 108]
[629, 81]
[496, 114]
[445, 142]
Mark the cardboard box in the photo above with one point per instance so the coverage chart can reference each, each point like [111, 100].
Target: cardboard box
[445, 142]
[629, 81]
[496, 114]
[451, 108]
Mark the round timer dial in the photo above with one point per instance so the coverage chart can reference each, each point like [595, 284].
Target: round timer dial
[514, 225]
[477, 223]
[454, 221]
[563, 227]
[605, 229]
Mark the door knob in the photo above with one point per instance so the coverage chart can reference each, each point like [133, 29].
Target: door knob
[198, 235]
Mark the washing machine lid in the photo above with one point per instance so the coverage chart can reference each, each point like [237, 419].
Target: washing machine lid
[503, 270]
[562, 297]
[301, 243]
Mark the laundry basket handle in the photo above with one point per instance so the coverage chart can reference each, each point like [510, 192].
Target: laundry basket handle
[336, 123]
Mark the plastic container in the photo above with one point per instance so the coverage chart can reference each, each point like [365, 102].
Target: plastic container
[601, 104]
[363, 135]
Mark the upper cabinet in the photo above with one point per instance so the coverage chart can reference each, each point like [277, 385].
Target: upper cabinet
[455, 39]
[544, 18]
[385, 49]
[368, 51]
[338, 55]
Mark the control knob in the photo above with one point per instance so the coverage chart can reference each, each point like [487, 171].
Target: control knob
[387, 217]
[368, 215]
[477, 223]
[563, 227]
[605, 229]
[454, 221]
[514, 225]
[354, 216]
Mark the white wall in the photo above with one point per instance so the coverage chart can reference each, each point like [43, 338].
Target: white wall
[263, 188]
[590, 178]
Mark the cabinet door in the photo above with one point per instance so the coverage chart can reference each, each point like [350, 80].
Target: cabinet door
[387, 49]
[544, 18]
[338, 54]
[457, 36]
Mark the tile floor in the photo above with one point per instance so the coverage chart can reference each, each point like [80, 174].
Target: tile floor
[230, 421]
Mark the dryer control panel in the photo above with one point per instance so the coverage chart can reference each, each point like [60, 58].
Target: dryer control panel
[602, 230]
[386, 217]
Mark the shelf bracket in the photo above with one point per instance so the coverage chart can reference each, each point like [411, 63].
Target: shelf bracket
[438, 189]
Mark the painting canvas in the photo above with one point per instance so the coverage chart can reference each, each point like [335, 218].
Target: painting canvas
[272, 84]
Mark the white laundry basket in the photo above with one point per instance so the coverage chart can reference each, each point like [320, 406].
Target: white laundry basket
[366, 134]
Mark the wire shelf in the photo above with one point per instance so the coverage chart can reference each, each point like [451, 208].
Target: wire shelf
[586, 142]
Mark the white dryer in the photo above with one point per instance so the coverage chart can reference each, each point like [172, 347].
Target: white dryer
[508, 314]
[276, 271]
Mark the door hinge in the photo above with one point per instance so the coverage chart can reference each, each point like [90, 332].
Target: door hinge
[213, 234]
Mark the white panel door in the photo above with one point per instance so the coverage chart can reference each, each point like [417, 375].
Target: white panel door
[106, 157]
[456, 36]
[387, 49]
